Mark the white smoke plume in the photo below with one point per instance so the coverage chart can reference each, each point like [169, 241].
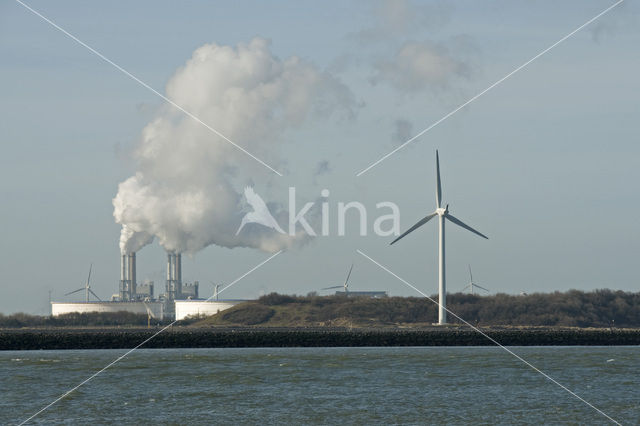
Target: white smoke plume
[184, 190]
[423, 65]
[403, 130]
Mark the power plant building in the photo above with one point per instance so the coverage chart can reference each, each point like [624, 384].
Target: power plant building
[177, 302]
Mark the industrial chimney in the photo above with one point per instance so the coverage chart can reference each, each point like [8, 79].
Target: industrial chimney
[124, 273]
[128, 277]
[178, 263]
[132, 276]
[174, 276]
[170, 284]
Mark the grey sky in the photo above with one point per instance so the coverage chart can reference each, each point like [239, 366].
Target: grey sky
[546, 164]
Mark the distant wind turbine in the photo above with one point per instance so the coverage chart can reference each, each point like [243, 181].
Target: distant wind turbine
[86, 288]
[216, 292]
[442, 213]
[471, 284]
[149, 313]
[345, 285]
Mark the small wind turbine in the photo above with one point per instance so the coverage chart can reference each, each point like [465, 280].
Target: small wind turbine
[149, 313]
[345, 285]
[442, 213]
[471, 284]
[86, 288]
[216, 291]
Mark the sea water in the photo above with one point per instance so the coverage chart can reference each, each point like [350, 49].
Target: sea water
[401, 385]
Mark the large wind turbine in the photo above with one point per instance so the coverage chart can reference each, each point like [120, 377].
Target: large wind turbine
[442, 213]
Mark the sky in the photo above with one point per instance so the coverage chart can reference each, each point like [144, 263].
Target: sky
[545, 163]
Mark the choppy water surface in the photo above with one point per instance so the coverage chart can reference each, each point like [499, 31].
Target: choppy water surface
[323, 386]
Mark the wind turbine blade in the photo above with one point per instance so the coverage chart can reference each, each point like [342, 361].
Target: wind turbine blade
[470, 274]
[438, 184]
[464, 225]
[331, 288]
[149, 311]
[95, 295]
[416, 226]
[348, 275]
[89, 277]
[75, 291]
[476, 285]
[466, 287]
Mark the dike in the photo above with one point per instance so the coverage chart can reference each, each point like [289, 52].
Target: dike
[184, 337]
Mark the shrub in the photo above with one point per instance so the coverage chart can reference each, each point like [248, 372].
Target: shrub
[276, 299]
[251, 314]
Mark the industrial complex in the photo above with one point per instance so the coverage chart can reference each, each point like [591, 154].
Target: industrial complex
[178, 301]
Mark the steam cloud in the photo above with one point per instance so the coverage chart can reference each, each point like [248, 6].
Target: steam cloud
[403, 131]
[420, 65]
[183, 192]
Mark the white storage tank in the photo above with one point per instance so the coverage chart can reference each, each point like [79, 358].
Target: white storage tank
[61, 308]
[187, 308]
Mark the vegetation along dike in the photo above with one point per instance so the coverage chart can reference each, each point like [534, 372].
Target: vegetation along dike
[601, 317]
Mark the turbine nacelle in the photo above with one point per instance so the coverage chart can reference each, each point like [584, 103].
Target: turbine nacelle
[442, 211]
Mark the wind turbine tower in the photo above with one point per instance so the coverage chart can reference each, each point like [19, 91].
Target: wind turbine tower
[216, 291]
[442, 213]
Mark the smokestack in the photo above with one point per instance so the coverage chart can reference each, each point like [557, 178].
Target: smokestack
[178, 277]
[174, 275]
[132, 275]
[123, 267]
[168, 267]
[124, 276]
[173, 267]
[171, 276]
